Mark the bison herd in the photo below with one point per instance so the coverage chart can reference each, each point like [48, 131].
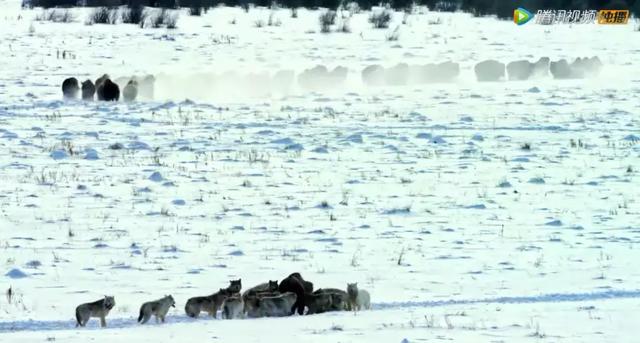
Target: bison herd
[106, 90]
[319, 78]
[492, 70]
[485, 71]
[404, 74]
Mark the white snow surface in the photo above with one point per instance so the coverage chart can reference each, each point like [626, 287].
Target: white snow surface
[424, 195]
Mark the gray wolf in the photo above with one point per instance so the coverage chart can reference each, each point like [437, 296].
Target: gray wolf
[233, 307]
[358, 298]
[159, 308]
[210, 304]
[97, 309]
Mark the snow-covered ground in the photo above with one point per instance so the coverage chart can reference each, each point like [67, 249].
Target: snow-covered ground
[427, 196]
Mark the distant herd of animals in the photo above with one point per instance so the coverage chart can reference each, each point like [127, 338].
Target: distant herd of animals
[489, 70]
[485, 71]
[107, 90]
[492, 70]
[320, 78]
[270, 299]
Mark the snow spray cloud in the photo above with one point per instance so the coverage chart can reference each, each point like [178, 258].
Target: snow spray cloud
[232, 85]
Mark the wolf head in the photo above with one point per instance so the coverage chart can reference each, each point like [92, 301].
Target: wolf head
[109, 302]
[352, 289]
[170, 300]
[273, 286]
[235, 286]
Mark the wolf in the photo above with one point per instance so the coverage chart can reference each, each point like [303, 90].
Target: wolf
[159, 308]
[251, 308]
[358, 298]
[276, 306]
[235, 286]
[338, 298]
[233, 307]
[339, 302]
[88, 90]
[318, 303]
[252, 301]
[70, 88]
[271, 286]
[97, 309]
[210, 304]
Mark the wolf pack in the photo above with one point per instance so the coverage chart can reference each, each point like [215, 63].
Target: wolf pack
[270, 299]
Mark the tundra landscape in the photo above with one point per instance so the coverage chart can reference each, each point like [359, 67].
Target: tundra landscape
[470, 209]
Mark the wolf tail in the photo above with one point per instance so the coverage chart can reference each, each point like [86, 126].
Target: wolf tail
[141, 314]
[78, 322]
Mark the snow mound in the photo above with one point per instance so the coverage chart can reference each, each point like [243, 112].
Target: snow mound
[16, 273]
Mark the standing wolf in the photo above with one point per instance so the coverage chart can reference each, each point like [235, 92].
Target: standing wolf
[97, 309]
[275, 306]
[338, 298]
[235, 286]
[233, 307]
[210, 304]
[159, 308]
[359, 299]
[319, 302]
